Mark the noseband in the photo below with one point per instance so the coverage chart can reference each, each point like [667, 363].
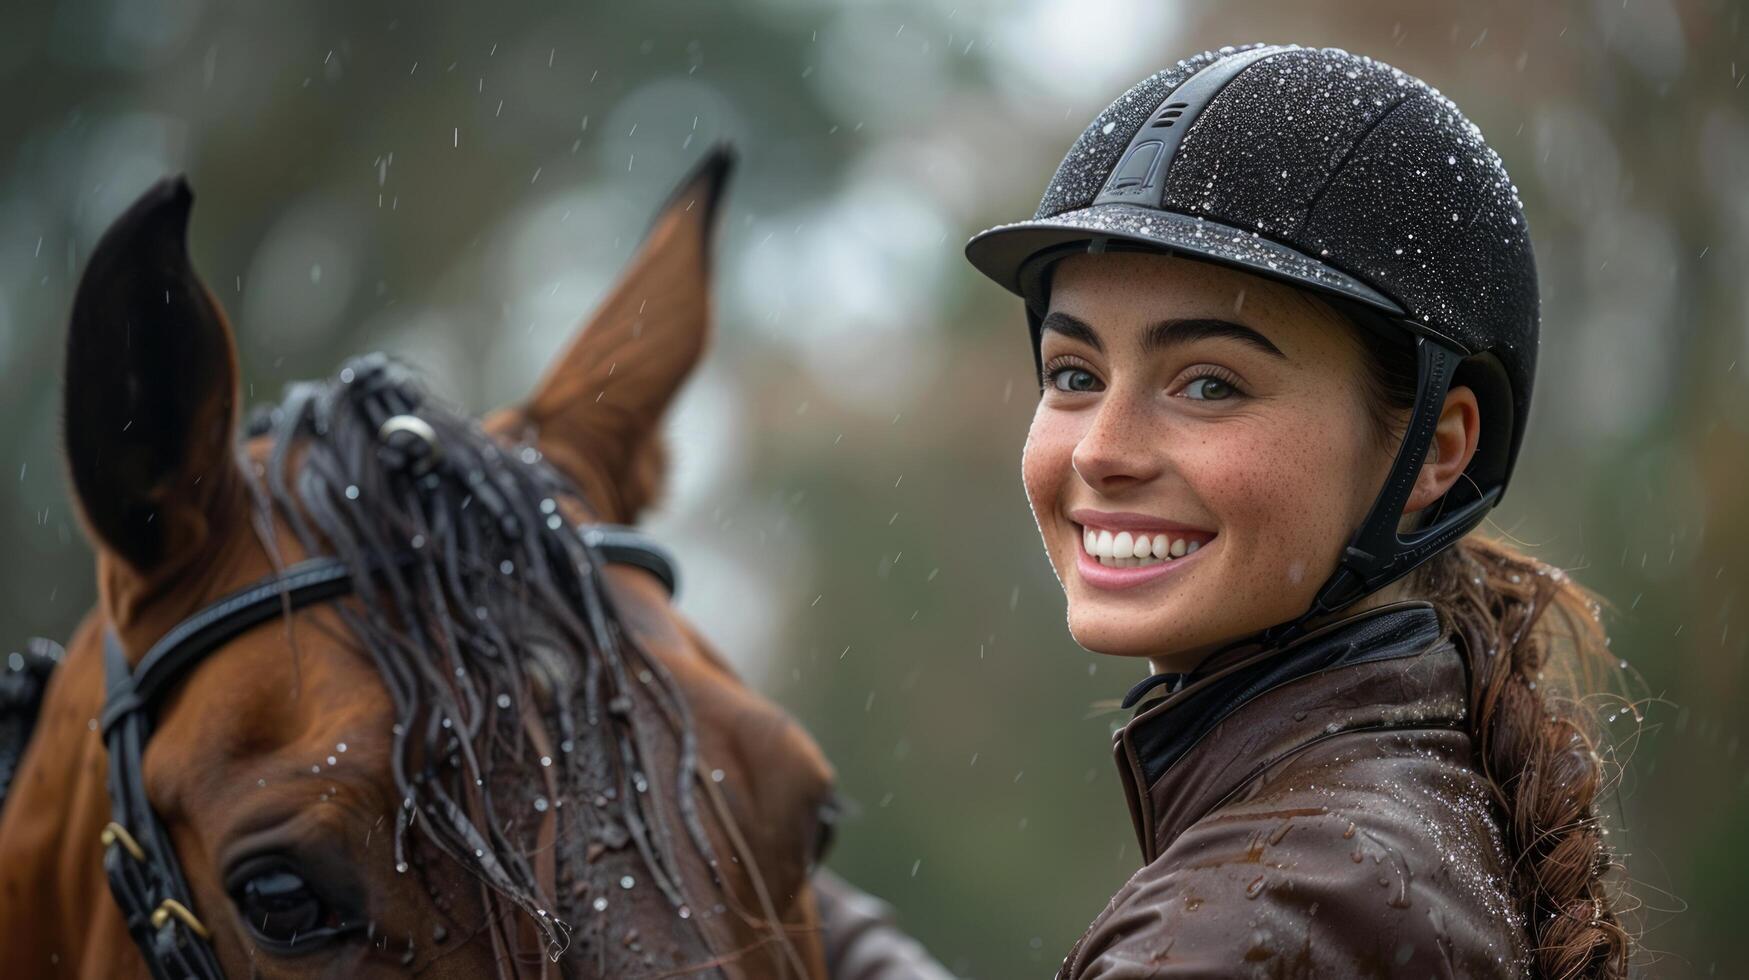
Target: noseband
[144, 874]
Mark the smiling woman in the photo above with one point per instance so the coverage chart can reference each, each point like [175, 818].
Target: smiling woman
[1285, 317]
[1236, 439]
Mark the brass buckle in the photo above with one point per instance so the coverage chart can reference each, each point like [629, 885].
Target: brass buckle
[115, 833]
[170, 908]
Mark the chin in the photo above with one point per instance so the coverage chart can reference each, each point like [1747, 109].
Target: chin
[1140, 639]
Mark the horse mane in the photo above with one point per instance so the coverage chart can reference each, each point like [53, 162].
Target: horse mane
[486, 617]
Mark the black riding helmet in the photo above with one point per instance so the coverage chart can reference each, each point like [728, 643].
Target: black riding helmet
[1336, 173]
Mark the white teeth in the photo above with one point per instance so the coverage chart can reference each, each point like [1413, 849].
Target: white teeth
[1123, 546]
[1127, 549]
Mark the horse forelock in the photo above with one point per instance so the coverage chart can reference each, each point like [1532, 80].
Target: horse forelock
[527, 724]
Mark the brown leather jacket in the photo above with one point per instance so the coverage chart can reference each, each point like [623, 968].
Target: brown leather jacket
[1312, 812]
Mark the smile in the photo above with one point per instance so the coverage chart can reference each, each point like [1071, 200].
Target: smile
[1138, 549]
[1122, 557]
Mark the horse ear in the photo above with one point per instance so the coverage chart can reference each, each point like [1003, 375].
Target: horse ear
[597, 413]
[149, 417]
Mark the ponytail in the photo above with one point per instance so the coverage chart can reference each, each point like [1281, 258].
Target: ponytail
[1534, 642]
[1535, 645]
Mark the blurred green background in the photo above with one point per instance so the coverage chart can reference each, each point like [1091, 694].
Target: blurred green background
[459, 183]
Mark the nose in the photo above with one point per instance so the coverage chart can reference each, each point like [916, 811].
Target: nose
[1117, 450]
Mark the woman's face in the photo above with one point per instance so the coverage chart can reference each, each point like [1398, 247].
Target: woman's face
[1200, 455]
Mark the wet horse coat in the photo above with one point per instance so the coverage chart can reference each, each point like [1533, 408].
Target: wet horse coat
[281, 747]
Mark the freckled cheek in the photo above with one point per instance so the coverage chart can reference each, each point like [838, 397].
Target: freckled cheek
[1046, 467]
[1273, 490]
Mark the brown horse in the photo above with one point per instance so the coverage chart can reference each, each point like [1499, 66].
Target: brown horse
[497, 754]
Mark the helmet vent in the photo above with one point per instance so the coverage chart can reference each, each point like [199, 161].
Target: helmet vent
[1168, 115]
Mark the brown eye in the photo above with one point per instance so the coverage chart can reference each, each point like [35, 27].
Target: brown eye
[1074, 379]
[1208, 389]
[283, 909]
[280, 906]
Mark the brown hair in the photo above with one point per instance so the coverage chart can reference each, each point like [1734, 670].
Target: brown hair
[1536, 648]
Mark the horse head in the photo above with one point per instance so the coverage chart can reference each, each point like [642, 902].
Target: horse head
[497, 752]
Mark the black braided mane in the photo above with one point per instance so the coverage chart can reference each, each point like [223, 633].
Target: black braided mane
[512, 680]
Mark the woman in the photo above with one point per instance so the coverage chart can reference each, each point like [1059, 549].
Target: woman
[1284, 309]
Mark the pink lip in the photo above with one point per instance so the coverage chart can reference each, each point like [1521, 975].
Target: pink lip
[1128, 520]
[1101, 577]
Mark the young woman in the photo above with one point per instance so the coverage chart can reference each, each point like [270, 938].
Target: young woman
[1284, 309]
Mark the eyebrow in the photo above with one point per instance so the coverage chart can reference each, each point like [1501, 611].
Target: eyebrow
[1165, 334]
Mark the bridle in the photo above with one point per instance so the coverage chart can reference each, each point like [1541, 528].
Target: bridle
[139, 859]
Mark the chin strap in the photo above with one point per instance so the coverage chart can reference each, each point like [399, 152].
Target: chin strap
[1378, 553]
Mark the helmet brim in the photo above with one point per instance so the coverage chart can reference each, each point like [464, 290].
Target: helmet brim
[1017, 256]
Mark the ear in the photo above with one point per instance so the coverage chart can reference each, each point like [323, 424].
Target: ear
[596, 415]
[1454, 444]
[150, 407]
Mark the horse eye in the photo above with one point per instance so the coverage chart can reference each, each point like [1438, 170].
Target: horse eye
[282, 908]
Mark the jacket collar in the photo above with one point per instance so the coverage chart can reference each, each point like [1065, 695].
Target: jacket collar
[1184, 752]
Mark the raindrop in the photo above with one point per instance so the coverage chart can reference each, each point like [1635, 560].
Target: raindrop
[600, 903]
[627, 882]
[351, 492]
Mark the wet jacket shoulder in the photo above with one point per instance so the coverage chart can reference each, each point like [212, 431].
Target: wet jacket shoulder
[1315, 812]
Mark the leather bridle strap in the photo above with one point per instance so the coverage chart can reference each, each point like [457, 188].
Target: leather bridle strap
[191, 640]
[139, 858]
